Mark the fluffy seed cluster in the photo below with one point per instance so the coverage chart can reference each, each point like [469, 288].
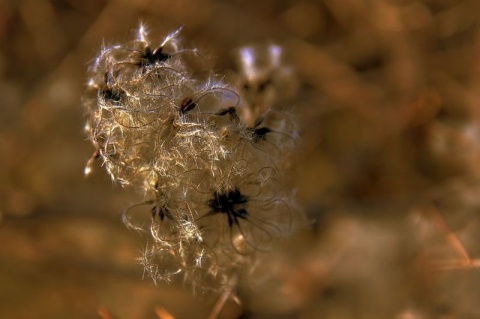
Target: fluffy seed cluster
[162, 122]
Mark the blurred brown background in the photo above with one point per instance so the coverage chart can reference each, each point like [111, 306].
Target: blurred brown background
[390, 155]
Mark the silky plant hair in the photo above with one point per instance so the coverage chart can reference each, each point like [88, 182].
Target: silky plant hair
[208, 156]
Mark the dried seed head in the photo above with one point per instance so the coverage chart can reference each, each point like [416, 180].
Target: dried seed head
[164, 124]
[266, 82]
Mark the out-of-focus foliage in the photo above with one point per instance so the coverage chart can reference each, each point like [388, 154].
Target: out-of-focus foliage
[388, 171]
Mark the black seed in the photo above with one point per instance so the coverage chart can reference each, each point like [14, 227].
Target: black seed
[162, 213]
[187, 105]
[151, 57]
[229, 110]
[260, 134]
[112, 95]
[262, 86]
[107, 92]
[231, 203]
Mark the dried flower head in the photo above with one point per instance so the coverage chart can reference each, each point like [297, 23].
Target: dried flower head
[264, 80]
[165, 124]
